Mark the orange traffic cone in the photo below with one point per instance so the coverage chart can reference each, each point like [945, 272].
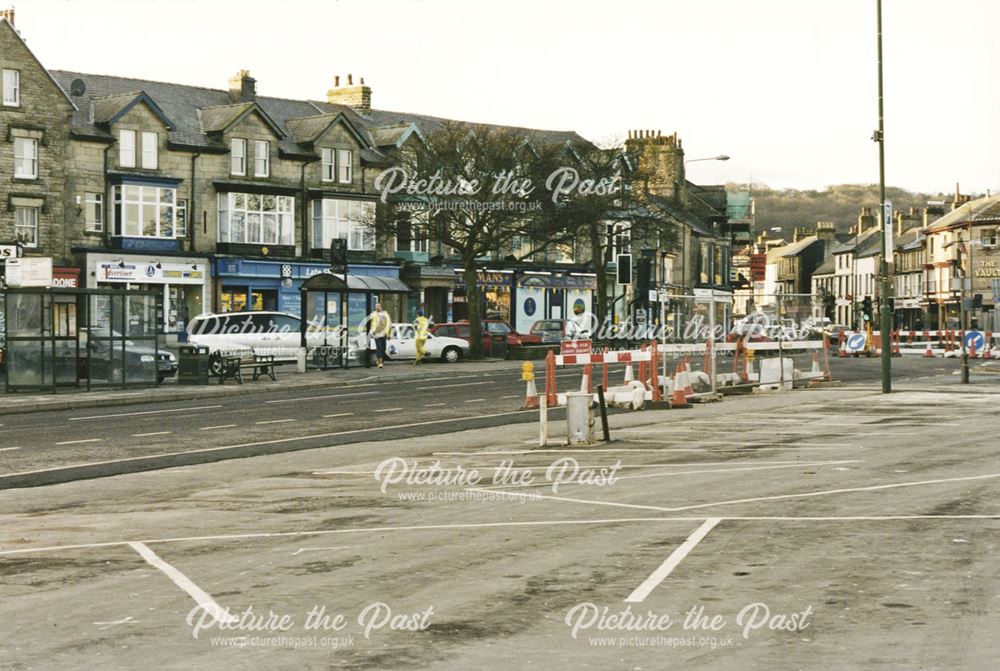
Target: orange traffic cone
[928, 354]
[677, 397]
[531, 396]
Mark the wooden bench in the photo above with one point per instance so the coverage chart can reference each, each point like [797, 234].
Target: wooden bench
[233, 366]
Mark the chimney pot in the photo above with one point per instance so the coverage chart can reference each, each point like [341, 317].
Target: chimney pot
[350, 80]
[243, 87]
[9, 15]
[336, 80]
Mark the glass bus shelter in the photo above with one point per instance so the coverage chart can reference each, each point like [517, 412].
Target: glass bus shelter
[80, 338]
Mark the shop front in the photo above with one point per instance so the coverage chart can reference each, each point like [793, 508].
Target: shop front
[274, 285]
[180, 282]
[495, 287]
[556, 294]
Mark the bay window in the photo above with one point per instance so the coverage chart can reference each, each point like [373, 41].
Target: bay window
[145, 211]
[256, 219]
[351, 220]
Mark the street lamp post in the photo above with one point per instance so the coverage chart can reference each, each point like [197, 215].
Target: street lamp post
[885, 265]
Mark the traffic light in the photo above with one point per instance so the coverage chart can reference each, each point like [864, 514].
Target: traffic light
[866, 309]
[624, 262]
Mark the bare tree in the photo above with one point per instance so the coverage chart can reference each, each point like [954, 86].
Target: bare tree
[482, 192]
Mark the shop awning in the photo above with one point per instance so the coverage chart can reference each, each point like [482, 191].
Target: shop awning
[355, 283]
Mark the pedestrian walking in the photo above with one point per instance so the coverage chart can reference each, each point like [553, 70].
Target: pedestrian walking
[380, 324]
[420, 326]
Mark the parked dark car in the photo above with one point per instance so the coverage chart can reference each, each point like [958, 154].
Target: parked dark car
[106, 361]
[557, 330]
[491, 327]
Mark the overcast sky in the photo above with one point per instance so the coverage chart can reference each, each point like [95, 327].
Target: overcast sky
[787, 88]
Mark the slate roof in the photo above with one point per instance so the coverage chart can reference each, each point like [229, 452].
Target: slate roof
[986, 209]
[195, 111]
[828, 267]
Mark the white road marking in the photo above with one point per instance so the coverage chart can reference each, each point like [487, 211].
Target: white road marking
[334, 471]
[7, 449]
[460, 384]
[475, 400]
[740, 469]
[336, 547]
[145, 412]
[76, 442]
[676, 557]
[274, 421]
[388, 409]
[221, 426]
[340, 414]
[511, 396]
[435, 405]
[127, 620]
[153, 433]
[776, 497]
[201, 598]
[497, 525]
[313, 398]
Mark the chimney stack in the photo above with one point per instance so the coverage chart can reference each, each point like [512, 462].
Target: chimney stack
[357, 96]
[9, 15]
[242, 88]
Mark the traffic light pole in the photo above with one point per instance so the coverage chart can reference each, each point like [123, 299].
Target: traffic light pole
[884, 317]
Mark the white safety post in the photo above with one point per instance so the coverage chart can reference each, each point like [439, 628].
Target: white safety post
[543, 420]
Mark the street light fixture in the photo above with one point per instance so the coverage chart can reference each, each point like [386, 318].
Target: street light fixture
[720, 157]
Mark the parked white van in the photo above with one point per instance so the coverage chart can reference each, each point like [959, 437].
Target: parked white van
[263, 333]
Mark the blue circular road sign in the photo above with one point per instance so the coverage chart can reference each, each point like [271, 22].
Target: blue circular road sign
[856, 342]
[975, 340]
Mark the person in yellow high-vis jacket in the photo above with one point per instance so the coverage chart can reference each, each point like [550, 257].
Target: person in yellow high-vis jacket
[420, 326]
[381, 326]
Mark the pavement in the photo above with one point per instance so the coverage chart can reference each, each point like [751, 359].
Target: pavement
[836, 528]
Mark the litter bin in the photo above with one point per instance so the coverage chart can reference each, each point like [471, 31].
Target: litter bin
[192, 365]
[498, 346]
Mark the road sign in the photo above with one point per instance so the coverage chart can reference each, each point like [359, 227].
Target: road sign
[974, 340]
[575, 346]
[856, 342]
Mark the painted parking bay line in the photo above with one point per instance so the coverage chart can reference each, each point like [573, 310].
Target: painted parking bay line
[207, 603]
[77, 442]
[340, 414]
[145, 412]
[221, 426]
[640, 593]
[274, 421]
[153, 433]
[8, 449]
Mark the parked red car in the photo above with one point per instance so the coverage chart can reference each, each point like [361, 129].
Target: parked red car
[491, 327]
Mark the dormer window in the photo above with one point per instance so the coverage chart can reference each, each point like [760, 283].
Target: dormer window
[150, 146]
[345, 166]
[126, 148]
[329, 165]
[238, 156]
[261, 158]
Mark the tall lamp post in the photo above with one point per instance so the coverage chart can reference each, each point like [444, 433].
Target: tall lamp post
[885, 318]
[711, 309]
